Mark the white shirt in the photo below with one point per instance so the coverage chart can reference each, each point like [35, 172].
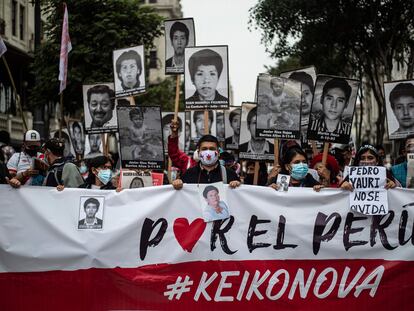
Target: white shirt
[20, 162]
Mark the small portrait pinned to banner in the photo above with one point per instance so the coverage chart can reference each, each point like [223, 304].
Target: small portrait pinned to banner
[99, 108]
[69, 152]
[399, 103]
[91, 212]
[306, 76]
[179, 34]
[213, 202]
[167, 118]
[232, 119]
[197, 127]
[333, 108]
[129, 71]
[283, 182]
[77, 135]
[131, 179]
[220, 131]
[141, 139]
[278, 107]
[93, 146]
[206, 78]
[251, 146]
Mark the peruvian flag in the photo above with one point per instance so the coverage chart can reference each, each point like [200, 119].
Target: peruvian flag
[65, 48]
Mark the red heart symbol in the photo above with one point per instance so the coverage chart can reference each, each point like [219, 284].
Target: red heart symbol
[188, 234]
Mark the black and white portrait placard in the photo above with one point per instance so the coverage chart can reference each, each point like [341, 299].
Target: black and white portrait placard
[197, 126]
[77, 135]
[140, 133]
[93, 146]
[167, 118]
[206, 77]
[131, 179]
[232, 119]
[99, 108]
[251, 146]
[306, 76]
[399, 103]
[91, 212]
[129, 71]
[278, 107]
[179, 34]
[333, 108]
[220, 128]
[187, 145]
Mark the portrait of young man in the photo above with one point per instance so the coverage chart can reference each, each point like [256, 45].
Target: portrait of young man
[99, 108]
[220, 132]
[399, 98]
[332, 109]
[129, 71]
[78, 137]
[206, 78]
[91, 207]
[197, 118]
[93, 146]
[232, 127]
[179, 34]
[214, 208]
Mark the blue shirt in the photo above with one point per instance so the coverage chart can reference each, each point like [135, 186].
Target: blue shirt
[400, 173]
[210, 214]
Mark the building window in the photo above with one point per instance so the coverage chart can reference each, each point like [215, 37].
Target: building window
[14, 18]
[153, 59]
[21, 22]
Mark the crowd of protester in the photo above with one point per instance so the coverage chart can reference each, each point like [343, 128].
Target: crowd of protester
[44, 164]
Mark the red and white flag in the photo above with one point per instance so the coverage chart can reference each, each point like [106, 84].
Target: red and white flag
[3, 47]
[65, 48]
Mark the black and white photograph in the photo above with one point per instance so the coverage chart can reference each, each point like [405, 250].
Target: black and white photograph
[206, 77]
[179, 34]
[188, 145]
[91, 212]
[213, 201]
[99, 108]
[129, 71]
[68, 152]
[77, 135]
[306, 76]
[251, 146]
[399, 103]
[333, 108]
[141, 141]
[198, 125]
[167, 118]
[232, 119]
[278, 107]
[220, 130]
[283, 182]
[131, 179]
[93, 146]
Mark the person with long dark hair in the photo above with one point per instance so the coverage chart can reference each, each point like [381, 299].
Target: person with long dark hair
[100, 174]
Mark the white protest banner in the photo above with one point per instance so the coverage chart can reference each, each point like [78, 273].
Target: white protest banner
[369, 196]
[299, 248]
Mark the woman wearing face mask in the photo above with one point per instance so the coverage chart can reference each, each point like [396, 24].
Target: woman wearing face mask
[100, 174]
[294, 163]
[368, 156]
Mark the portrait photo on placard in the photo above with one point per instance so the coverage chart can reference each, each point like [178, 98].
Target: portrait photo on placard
[251, 146]
[333, 107]
[77, 135]
[131, 179]
[140, 133]
[283, 182]
[213, 201]
[68, 152]
[167, 118]
[99, 108]
[91, 212]
[306, 76]
[278, 107]
[93, 146]
[129, 71]
[179, 34]
[232, 119]
[197, 126]
[399, 103]
[206, 77]
[220, 131]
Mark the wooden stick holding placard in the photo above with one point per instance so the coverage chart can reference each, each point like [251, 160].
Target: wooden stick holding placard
[314, 148]
[276, 152]
[176, 106]
[206, 131]
[104, 143]
[325, 153]
[256, 172]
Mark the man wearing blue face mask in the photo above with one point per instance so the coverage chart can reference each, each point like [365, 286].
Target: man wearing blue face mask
[209, 169]
[100, 174]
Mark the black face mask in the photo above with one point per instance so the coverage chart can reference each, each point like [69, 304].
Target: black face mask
[31, 152]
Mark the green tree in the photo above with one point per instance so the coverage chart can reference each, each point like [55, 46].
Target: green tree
[96, 28]
[354, 38]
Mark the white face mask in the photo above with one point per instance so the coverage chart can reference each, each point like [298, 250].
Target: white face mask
[209, 157]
